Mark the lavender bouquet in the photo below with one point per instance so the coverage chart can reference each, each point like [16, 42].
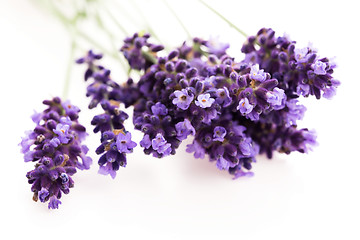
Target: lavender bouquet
[234, 109]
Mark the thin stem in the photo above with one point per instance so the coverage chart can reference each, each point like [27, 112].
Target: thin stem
[224, 18]
[69, 70]
[178, 19]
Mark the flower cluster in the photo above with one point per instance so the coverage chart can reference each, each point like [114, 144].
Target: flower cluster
[115, 141]
[233, 109]
[55, 146]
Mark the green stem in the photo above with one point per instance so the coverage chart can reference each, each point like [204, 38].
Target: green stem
[69, 70]
[178, 19]
[223, 18]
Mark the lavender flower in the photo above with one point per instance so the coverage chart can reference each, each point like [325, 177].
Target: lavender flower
[182, 99]
[233, 109]
[319, 67]
[276, 98]
[301, 55]
[204, 100]
[244, 106]
[257, 74]
[219, 133]
[184, 129]
[124, 143]
[55, 146]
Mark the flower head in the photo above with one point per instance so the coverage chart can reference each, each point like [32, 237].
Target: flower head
[276, 98]
[159, 109]
[183, 129]
[256, 74]
[223, 96]
[62, 131]
[244, 106]
[160, 144]
[204, 100]
[219, 133]
[301, 55]
[124, 143]
[319, 67]
[182, 99]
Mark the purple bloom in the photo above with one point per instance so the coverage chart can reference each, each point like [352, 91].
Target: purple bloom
[145, 142]
[241, 173]
[107, 169]
[54, 203]
[216, 47]
[319, 67]
[43, 193]
[159, 109]
[160, 144]
[256, 74]
[70, 109]
[27, 141]
[295, 112]
[244, 106]
[303, 89]
[124, 143]
[56, 157]
[62, 130]
[204, 100]
[66, 120]
[223, 96]
[219, 133]
[309, 140]
[29, 156]
[276, 98]
[222, 163]
[329, 92]
[301, 55]
[183, 129]
[196, 148]
[183, 99]
[55, 142]
[36, 117]
[246, 147]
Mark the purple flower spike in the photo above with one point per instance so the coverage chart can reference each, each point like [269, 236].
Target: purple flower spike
[256, 74]
[219, 134]
[183, 99]
[244, 106]
[55, 146]
[319, 67]
[204, 100]
[124, 143]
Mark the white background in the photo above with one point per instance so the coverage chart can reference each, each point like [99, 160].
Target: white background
[313, 196]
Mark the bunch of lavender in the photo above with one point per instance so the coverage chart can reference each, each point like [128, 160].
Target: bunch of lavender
[234, 109]
[115, 140]
[55, 146]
